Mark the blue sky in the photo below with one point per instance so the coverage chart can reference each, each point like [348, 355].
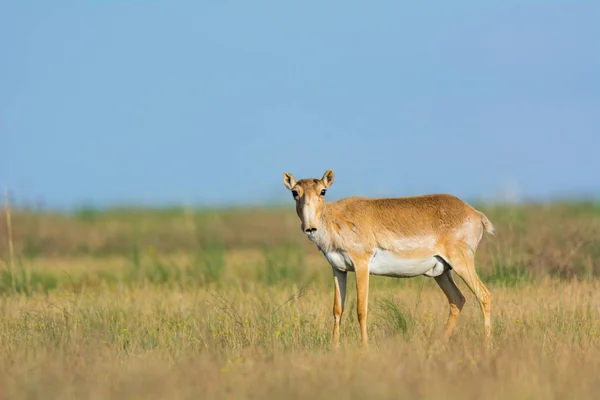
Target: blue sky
[156, 102]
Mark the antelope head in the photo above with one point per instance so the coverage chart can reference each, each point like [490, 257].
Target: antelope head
[309, 195]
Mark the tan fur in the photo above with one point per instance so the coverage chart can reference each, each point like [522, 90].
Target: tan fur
[418, 227]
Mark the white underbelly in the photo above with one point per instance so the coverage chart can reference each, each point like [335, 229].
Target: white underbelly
[339, 260]
[386, 263]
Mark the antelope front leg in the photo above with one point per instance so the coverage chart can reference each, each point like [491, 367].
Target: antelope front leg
[339, 298]
[362, 294]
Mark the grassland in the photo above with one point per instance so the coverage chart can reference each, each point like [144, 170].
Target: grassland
[182, 304]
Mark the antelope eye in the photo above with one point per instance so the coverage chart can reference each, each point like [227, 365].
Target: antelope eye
[323, 192]
[294, 193]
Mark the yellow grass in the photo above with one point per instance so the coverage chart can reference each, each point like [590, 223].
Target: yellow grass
[132, 307]
[156, 341]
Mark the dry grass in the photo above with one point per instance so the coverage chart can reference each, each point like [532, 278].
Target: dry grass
[103, 309]
[160, 342]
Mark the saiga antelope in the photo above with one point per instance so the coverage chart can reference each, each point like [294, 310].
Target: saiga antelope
[429, 235]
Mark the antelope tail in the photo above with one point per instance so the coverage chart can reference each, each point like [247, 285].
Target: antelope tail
[487, 225]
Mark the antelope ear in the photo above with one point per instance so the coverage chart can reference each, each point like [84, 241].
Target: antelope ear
[288, 180]
[328, 178]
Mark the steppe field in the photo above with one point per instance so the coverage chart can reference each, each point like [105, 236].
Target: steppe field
[231, 304]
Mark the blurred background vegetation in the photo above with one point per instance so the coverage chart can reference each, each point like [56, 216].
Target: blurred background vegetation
[210, 247]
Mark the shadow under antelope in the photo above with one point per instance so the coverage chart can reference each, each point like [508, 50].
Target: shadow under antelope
[402, 237]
